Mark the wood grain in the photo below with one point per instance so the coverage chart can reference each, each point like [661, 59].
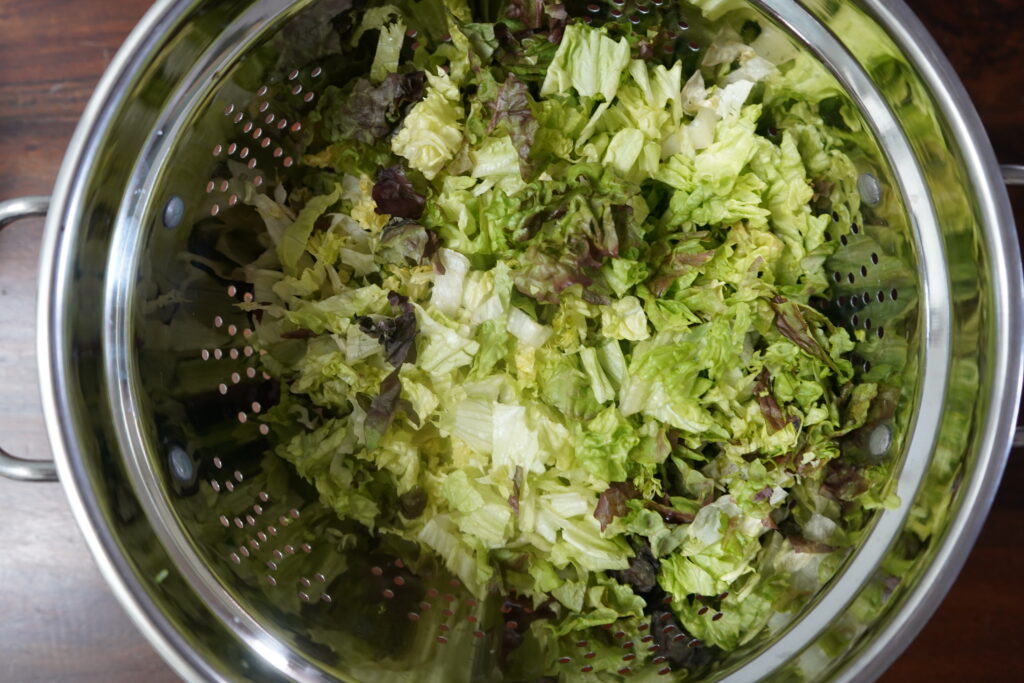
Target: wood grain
[59, 620]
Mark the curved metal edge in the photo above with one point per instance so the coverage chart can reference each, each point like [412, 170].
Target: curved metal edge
[1012, 174]
[907, 31]
[22, 207]
[60, 223]
[20, 469]
[11, 466]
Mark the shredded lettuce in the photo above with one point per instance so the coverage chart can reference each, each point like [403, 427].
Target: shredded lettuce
[544, 311]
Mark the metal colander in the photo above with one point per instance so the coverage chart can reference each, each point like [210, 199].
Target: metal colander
[226, 558]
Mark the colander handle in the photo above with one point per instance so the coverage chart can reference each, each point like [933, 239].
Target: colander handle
[1014, 175]
[10, 466]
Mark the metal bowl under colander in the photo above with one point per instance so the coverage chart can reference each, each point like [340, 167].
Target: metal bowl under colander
[225, 559]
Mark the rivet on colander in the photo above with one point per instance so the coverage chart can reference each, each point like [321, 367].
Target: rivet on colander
[229, 486]
[224, 521]
[294, 512]
[586, 669]
[297, 89]
[242, 417]
[210, 187]
[261, 536]
[217, 354]
[262, 91]
[233, 353]
[257, 133]
[247, 127]
[243, 550]
[271, 580]
[293, 74]
[664, 672]
[215, 209]
[222, 388]
[869, 189]
[252, 163]
[880, 440]
[244, 154]
[205, 354]
[215, 485]
[264, 106]
[258, 180]
[269, 118]
[264, 430]
[174, 210]
[264, 143]
[278, 152]
[660, 659]
[232, 330]
[250, 520]
[238, 522]
[272, 530]
[308, 97]
[235, 558]
[218, 150]
[254, 544]
[181, 465]
[247, 333]
[307, 548]
[643, 627]
[615, 13]
[237, 118]
[315, 73]
[445, 627]
[304, 596]
[325, 597]
[228, 110]
[288, 161]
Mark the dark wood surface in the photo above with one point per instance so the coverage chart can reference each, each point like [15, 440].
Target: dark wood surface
[58, 620]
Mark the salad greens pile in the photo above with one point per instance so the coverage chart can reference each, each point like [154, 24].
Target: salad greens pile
[541, 310]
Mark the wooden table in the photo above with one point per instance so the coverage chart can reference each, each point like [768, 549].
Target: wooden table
[58, 620]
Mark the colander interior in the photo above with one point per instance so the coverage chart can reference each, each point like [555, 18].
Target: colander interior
[245, 530]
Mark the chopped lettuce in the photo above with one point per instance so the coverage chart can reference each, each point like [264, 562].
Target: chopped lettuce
[545, 313]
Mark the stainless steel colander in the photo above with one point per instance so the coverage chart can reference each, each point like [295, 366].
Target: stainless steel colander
[225, 558]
